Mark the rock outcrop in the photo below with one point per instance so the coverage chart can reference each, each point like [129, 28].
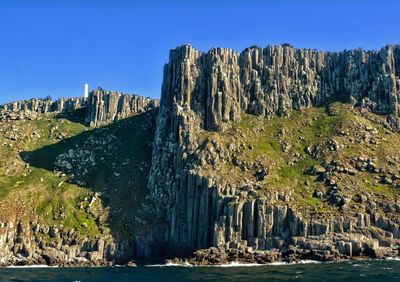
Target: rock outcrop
[101, 108]
[45, 105]
[221, 84]
[206, 92]
[105, 107]
[27, 243]
[33, 108]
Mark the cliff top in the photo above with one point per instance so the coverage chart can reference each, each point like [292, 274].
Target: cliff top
[113, 92]
[187, 49]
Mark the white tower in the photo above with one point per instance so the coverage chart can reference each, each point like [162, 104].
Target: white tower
[86, 93]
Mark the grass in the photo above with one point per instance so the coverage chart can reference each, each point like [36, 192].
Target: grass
[298, 133]
[122, 165]
[57, 200]
[280, 144]
[60, 206]
[45, 192]
[378, 188]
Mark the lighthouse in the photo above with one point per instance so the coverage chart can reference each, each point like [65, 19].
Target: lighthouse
[86, 90]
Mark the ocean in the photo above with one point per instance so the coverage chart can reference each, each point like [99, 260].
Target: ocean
[372, 270]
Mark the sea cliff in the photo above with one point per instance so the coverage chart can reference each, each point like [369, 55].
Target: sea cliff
[271, 154]
[206, 94]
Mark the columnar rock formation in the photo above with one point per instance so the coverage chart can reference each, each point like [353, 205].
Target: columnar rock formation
[207, 91]
[106, 106]
[24, 242]
[221, 84]
[102, 107]
[45, 105]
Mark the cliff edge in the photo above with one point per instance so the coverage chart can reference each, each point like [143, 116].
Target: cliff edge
[273, 149]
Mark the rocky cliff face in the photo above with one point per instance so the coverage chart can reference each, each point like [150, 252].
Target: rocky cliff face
[105, 106]
[71, 194]
[32, 109]
[101, 108]
[27, 243]
[275, 80]
[45, 105]
[103, 172]
[205, 92]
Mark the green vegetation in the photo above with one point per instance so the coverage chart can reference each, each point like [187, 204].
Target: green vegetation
[61, 205]
[289, 146]
[106, 198]
[59, 171]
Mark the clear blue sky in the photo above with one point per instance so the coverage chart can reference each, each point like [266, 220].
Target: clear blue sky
[54, 47]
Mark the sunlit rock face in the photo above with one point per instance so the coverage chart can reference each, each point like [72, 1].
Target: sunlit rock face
[206, 92]
[100, 108]
[104, 107]
[45, 105]
[220, 84]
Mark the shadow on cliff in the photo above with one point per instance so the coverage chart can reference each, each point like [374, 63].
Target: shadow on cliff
[77, 116]
[113, 161]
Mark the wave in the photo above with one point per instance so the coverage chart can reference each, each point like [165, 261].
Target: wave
[185, 264]
[393, 258]
[237, 264]
[305, 261]
[233, 264]
[308, 261]
[33, 266]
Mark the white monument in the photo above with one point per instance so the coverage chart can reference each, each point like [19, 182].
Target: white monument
[86, 93]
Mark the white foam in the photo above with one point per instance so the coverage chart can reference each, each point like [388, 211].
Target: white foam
[308, 261]
[237, 264]
[185, 264]
[393, 258]
[32, 266]
[278, 263]
[234, 264]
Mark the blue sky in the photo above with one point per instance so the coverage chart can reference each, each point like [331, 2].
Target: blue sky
[54, 47]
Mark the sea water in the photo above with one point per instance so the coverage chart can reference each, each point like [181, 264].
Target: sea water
[369, 270]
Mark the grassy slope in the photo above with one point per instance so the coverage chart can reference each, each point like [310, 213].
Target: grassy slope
[21, 184]
[280, 144]
[36, 192]
[121, 160]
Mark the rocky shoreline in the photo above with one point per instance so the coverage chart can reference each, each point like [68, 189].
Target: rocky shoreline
[214, 257]
[33, 243]
[222, 256]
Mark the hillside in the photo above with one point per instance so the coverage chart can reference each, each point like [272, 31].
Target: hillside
[322, 162]
[325, 160]
[72, 182]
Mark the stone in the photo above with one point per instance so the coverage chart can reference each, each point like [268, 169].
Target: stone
[261, 174]
[206, 92]
[43, 106]
[101, 107]
[104, 107]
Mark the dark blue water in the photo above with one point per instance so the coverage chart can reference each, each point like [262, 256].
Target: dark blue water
[348, 271]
